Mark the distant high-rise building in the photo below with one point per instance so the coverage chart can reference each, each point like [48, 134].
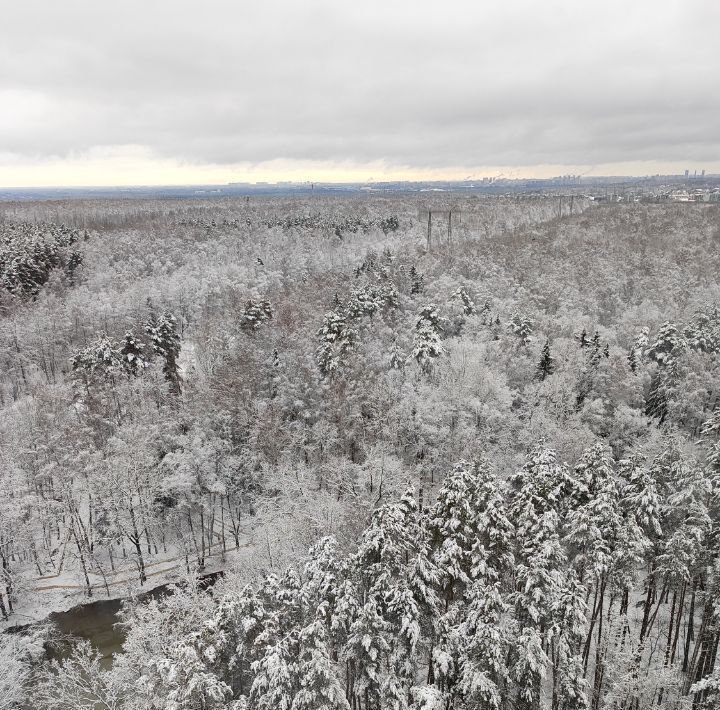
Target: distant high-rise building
[703, 173]
[687, 173]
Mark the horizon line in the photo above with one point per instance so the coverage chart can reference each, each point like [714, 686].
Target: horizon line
[268, 183]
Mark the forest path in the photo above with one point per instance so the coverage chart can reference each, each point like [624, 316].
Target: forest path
[175, 563]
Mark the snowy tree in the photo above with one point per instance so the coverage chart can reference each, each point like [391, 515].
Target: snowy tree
[417, 281]
[471, 533]
[427, 343]
[19, 653]
[79, 683]
[462, 296]
[542, 485]
[366, 653]
[484, 674]
[166, 344]
[569, 687]
[100, 361]
[703, 332]
[255, 314]
[320, 688]
[337, 339]
[186, 678]
[131, 352]
[639, 348]
[276, 679]
[666, 344]
[546, 366]
[521, 327]
[427, 697]
[639, 495]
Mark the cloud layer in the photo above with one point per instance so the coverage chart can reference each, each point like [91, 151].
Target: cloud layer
[407, 85]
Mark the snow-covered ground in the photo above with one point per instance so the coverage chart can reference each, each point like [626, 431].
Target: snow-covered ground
[58, 592]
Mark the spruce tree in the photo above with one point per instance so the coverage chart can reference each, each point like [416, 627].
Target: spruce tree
[417, 281]
[166, 344]
[546, 366]
[320, 688]
[131, 351]
[427, 344]
[522, 327]
[255, 314]
[484, 673]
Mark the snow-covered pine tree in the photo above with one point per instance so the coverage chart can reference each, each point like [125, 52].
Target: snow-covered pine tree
[337, 338]
[417, 281]
[546, 366]
[100, 361]
[639, 496]
[394, 566]
[638, 349]
[702, 334]
[666, 344]
[427, 343]
[276, 679]
[320, 688]
[165, 341]
[367, 655]
[255, 314]
[522, 327]
[484, 675]
[471, 534]
[569, 687]
[131, 351]
[276, 673]
[468, 305]
[542, 484]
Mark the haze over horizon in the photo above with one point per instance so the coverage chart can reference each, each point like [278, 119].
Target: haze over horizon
[338, 92]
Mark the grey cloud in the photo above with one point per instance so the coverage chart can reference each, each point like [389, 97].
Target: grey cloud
[415, 84]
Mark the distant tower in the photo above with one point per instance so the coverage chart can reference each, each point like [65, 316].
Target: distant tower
[687, 173]
[703, 173]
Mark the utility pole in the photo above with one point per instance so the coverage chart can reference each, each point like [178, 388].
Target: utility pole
[429, 237]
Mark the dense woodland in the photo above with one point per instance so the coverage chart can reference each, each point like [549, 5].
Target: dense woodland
[470, 449]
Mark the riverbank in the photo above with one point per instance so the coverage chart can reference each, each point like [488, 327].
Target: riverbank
[63, 594]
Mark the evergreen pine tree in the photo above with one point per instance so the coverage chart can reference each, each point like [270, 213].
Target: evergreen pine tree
[427, 344]
[417, 281]
[131, 351]
[166, 344]
[99, 362]
[522, 327]
[255, 314]
[633, 361]
[484, 675]
[546, 366]
[320, 688]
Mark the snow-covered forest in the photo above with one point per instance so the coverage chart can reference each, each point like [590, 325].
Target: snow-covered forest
[447, 452]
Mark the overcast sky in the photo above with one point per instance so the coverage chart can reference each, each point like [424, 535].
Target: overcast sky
[160, 92]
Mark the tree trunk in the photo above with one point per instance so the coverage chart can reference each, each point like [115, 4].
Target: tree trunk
[690, 628]
[136, 541]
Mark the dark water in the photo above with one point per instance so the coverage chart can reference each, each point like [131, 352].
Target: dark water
[97, 622]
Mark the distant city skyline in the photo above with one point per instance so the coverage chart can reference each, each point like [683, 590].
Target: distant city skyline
[88, 174]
